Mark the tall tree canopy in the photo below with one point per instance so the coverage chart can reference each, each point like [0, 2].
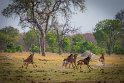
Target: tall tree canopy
[107, 33]
[39, 13]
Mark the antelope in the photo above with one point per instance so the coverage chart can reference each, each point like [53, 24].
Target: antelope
[84, 62]
[71, 60]
[28, 61]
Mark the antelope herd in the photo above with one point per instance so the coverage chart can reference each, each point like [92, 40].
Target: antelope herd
[71, 60]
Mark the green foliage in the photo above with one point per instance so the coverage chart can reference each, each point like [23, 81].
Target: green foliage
[19, 48]
[10, 31]
[87, 46]
[90, 46]
[80, 45]
[118, 49]
[77, 40]
[34, 48]
[4, 37]
[52, 42]
[31, 37]
[76, 47]
[11, 47]
[107, 32]
[44, 10]
[9, 34]
[32, 40]
[66, 44]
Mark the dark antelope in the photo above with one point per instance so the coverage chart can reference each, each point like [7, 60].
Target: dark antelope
[84, 62]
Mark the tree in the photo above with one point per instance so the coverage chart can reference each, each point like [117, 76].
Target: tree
[39, 12]
[8, 35]
[67, 44]
[120, 16]
[12, 47]
[80, 45]
[4, 38]
[107, 33]
[31, 38]
[118, 49]
[34, 48]
[76, 42]
[51, 41]
[62, 30]
[12, 32]
[90, 46]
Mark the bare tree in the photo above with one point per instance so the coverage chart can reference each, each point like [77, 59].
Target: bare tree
[62, 30]
[39, 13]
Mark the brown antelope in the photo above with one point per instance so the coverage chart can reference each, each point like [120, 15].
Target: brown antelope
[28, 61]
[71, 60]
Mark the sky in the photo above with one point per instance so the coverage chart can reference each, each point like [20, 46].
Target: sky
[95, 11]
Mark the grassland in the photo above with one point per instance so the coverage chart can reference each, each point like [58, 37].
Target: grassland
[50, 70]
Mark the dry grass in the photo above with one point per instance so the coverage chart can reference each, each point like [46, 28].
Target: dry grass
[50, 70]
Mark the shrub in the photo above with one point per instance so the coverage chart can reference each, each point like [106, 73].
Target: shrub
[118, 49]
[19, 48]
[34, 48]
[11, 47]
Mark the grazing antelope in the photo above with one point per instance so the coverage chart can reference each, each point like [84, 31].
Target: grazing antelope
[28, 61]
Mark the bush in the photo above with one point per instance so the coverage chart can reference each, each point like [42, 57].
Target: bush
[98, 50]
[11, 47]
[81, 47]
[34, 48]
[118, 49]
[19, 48]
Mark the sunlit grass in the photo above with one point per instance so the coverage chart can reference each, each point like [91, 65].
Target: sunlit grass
[50, 69]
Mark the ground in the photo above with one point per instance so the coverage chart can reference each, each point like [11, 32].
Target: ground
[49, 69]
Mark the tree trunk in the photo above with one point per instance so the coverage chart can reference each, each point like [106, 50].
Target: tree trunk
[60, 48]
[43, 36]
[59, 42]
[40, 45]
